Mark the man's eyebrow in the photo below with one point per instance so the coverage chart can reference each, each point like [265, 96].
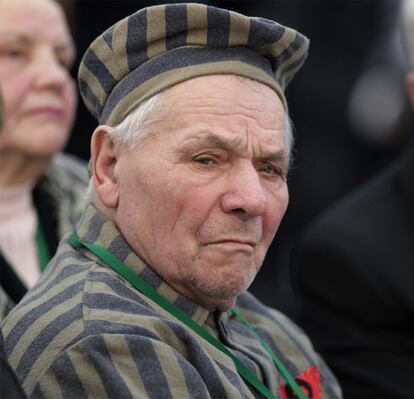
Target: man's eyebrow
[210, 140]
[275, 157]
[215, 141]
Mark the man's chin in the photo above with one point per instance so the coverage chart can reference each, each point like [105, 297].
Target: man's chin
[220, 295]
[215, 303]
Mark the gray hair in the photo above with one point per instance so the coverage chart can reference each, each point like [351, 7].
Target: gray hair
[134, 128]
[137, 123]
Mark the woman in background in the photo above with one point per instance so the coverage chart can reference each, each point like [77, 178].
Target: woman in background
[41, 190]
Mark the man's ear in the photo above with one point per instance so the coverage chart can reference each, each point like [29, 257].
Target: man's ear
[410, 86]
[104, 159]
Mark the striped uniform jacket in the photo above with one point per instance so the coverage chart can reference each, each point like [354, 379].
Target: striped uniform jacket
[83, 331]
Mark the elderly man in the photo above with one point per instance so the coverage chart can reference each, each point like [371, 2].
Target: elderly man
[147, 298]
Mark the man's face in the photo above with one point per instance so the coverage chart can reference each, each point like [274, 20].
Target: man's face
[201, 198]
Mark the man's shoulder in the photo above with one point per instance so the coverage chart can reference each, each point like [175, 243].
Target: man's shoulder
[280, 327]
[286, 338]
[49, 317]
[60, 285]
[75, 301]
[76, 285]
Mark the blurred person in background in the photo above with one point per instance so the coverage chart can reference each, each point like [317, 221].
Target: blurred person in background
[41, 189]
[10, 386]
[353, 275]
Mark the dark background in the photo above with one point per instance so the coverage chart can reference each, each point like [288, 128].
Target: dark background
[348, 105]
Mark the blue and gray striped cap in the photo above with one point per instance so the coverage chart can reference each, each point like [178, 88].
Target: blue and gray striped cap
[160, 46]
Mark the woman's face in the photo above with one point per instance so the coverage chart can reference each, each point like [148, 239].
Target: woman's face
[36, 53]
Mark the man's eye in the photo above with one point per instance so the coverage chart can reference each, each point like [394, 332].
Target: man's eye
[205, 160]
[269, 170]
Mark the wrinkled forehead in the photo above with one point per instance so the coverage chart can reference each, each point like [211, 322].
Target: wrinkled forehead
[222, 107]
[224, 98]
[236, 91]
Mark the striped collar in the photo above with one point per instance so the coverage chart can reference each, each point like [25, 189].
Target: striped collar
[95, 228]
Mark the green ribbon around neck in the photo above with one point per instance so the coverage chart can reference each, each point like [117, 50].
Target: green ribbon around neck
[133, 278]
[43, 252]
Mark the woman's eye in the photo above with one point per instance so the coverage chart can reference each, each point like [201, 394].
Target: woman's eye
[65, 59]
[65, 64]
[12, 53]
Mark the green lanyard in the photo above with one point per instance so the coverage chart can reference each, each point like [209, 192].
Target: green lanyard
[42, 248]
[133, 278]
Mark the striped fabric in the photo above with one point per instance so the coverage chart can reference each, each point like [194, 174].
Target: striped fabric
[160, 46]
[83, 331]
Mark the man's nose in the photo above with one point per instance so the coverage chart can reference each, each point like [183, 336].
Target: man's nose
[50, 73]
[245, 193]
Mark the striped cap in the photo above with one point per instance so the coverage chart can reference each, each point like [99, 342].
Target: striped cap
[160, 46]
